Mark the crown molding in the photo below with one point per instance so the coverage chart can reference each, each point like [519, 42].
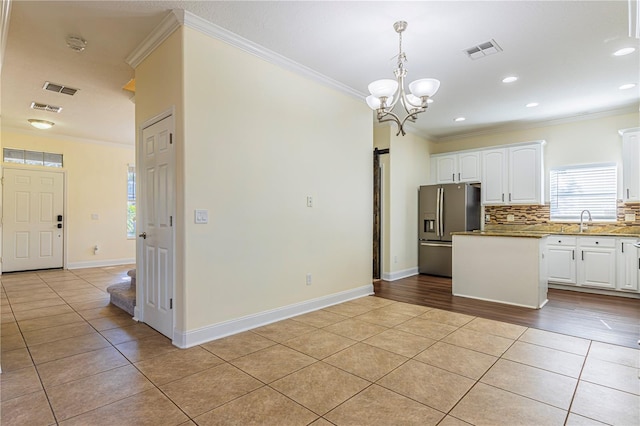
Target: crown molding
[197, 23]
[165, 28]
[178, 17]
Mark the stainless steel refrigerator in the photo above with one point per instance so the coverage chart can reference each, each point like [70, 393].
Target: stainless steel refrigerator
[444, 209]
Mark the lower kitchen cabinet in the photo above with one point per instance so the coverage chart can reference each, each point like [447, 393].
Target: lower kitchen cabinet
[597, 262]
[561, 259]
[628, 265]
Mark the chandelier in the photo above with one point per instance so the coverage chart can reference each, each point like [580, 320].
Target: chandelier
[386, 93]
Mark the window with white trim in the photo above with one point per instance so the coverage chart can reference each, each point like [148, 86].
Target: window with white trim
[590, 187]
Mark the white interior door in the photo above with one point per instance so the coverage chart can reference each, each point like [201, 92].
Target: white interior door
[155, 226]
[32, 213]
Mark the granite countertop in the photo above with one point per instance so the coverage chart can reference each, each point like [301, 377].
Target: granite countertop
[543, 230]
[519, 234]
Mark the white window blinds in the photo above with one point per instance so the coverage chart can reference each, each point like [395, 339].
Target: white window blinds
[591, 187]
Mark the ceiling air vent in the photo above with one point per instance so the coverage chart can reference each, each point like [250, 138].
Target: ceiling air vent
[483, 49]
[44, 107]
[59, 88]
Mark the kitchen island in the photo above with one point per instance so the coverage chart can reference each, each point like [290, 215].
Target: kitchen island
[506, 269]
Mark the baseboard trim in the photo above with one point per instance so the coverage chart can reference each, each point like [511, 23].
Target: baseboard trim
[616, 293]
[397, 275]
[99, 263]
[227, 328]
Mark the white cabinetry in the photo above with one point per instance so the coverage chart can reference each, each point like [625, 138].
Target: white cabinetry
[628, 265]
[494, 176]
[458, 167]
[631, 164]
[561, 259]
[597, 262]
[513, 175]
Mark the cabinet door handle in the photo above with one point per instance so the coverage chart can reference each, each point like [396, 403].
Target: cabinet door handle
[582, 254]
[509, 197]
[503, 197]
[453, 177]
[573, 255]
[458, 176]
[627, 192]
[622, 245]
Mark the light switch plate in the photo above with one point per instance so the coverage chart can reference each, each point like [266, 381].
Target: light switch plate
[201, 216]
[510, 218]
[629, 217]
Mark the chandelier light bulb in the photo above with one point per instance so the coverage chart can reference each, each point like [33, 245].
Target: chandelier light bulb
[424, 87]
[384, 87]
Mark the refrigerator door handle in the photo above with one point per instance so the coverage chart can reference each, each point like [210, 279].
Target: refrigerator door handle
[438, 212]
[436, 245]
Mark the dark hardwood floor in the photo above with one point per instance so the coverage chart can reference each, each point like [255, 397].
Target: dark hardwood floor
[608, 319]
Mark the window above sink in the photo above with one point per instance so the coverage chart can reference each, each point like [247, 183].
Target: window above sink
[591, 187]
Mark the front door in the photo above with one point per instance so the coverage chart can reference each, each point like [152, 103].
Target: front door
[155, 226]
[32, 220]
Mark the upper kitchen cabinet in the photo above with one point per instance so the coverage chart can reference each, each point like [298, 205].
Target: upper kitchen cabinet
[513, 174]
[631, 164]
[456, 167]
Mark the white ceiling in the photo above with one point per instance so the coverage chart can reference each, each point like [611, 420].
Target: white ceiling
[560, 50]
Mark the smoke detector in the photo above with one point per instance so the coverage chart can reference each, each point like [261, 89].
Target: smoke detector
[76, 43]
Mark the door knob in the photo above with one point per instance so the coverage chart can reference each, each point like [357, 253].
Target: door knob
[143, 235]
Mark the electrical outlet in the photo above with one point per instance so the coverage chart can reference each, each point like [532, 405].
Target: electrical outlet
[309, 201]
[510, 218]
[629, 217]
[309, 278]
[487, 218]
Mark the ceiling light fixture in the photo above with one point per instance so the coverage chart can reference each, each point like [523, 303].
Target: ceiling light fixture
[627, 86]
[624, 51]
[76, 43]
[532, 104]
[386, 93]
[510, 79]
[41, 124]
[459, 119]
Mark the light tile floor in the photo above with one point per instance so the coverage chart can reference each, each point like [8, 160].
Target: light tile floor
[70, 358]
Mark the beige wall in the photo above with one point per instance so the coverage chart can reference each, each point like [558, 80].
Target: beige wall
[405, 169]
[578, 142]
[96, 183]
[255, 140]
[159, 88]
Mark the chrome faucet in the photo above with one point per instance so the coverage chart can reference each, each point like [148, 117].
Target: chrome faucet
[583, 226]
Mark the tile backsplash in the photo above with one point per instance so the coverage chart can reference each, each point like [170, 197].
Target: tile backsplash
[539, 214]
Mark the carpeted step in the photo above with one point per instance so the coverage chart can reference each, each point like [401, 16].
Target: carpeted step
[123, 295]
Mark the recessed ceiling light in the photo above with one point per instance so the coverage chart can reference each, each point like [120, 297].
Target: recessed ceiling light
[41, 124]
[624, 51]
[510, 79]
[532, 104]
[459, 119]
[627, 86]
